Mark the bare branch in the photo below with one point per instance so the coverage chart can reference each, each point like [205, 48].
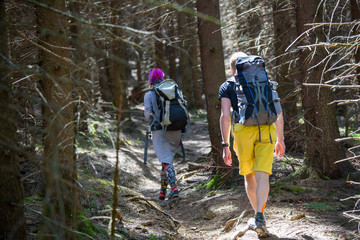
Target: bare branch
[331, 86]
[326, 44]
[347, 138]
[344, 102]
[346, 159]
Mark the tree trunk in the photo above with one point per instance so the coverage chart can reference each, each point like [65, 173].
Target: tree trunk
[321, 128]
[159, 54]
[213, 70]
[159, 48]
[255, 26]
[284, 35]
[79, 75]
[104, 78]
[196, 81]
[172, 51]
[184, 56]
[12, 221]
[61, 195]
[118, 68]
[355, 15]
[197, 89]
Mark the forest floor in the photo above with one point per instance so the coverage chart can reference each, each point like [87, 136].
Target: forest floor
[295, 210]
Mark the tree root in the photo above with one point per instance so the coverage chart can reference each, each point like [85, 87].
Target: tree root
[235, 221]
[241, 233]
[174, 221]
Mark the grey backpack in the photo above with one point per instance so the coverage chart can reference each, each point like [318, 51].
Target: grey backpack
[258, 102]
[172, 105]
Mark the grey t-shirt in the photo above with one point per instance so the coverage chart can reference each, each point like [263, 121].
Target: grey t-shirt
[150, 106]
[165, 143]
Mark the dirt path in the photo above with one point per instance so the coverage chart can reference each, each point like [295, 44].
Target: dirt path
[314, 212]
[295, 210]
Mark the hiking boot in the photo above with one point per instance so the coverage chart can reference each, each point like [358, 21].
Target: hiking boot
[174, 193]
[162, 195]
[260, 225]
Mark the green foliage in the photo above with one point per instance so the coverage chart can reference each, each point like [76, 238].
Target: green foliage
[281, 188]
[93, 127]
[213, 184]
[33, 199]
[99, 132]
[355, 134]
[199, 115]
[319, 206]
[153, 236]
[89, 228]
[325, 177]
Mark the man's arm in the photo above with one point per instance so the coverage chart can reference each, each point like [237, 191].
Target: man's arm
[280, 144]
[225, 126]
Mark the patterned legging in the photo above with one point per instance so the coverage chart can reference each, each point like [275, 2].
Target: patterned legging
[167, 176]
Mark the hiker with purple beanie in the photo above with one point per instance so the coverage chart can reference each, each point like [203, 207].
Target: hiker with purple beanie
[165, 142]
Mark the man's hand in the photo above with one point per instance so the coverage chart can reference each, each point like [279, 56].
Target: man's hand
[227, 156]
[280, 149]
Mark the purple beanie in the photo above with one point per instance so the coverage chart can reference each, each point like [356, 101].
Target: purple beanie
[156, 75]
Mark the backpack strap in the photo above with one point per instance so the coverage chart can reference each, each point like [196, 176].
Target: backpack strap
[251, 93]
[181, 103]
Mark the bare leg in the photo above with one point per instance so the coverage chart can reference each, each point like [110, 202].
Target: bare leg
[251, 186]
[262, 190]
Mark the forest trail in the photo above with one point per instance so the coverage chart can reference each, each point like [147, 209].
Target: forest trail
[295, 210]
[299, 210]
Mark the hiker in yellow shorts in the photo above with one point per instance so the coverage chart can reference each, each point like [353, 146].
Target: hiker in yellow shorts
[254, 145]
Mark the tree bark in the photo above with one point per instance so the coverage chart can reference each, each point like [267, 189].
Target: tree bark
[184, 56]
[196, 81]
[321, 128]
[213, 70]
[355, 15]
[119, 68]
[197, 89]
[172, 51]
[159, 48]
[61, 194]
[12, 221]
[285, 73]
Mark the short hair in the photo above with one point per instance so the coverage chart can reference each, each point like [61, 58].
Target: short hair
[156, 75]
[234, 57]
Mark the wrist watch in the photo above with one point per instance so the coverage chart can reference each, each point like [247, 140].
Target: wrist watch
[224, 144]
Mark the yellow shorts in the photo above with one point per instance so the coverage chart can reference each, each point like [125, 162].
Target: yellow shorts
[254, 156]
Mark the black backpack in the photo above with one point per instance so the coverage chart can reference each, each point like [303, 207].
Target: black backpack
[172, 105]
[258, 102]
